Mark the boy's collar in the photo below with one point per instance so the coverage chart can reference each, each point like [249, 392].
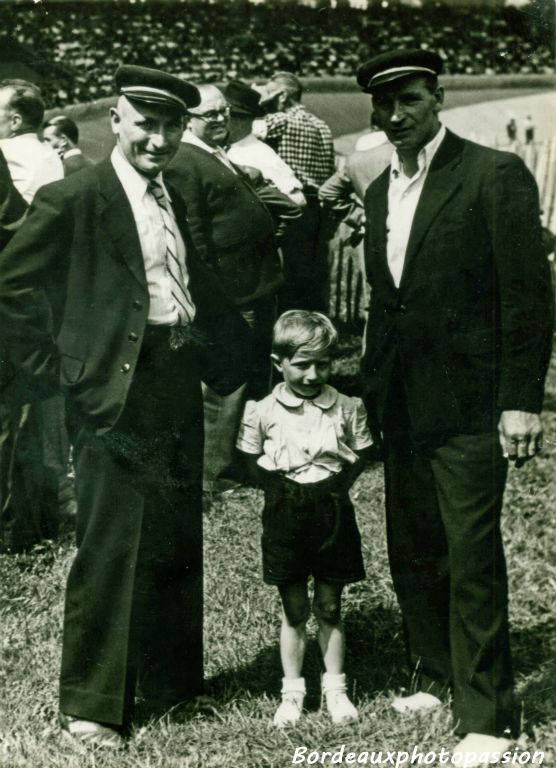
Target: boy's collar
[325, 399]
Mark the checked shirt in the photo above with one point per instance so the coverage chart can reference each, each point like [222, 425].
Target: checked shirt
[304, 142]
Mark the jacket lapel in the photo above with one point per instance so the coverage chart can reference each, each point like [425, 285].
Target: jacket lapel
[443, 179]
[376, 206]
[117, 223]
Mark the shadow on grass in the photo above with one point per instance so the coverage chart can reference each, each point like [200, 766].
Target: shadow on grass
[375, 662]
[533, 654]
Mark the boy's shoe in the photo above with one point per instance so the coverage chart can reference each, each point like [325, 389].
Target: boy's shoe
[418, 702]
[291, 706]
[478, 749]
[89, 733]
[339, 707]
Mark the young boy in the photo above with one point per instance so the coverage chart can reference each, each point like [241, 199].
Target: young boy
[306, 443]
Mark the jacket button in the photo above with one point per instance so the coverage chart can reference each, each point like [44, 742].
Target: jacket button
[126, 368]
[137, 305]
[133, 337]
[402, 309]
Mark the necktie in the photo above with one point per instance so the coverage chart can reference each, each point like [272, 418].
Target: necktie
[180, 295]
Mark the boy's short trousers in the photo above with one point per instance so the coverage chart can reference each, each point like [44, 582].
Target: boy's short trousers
[309, 529]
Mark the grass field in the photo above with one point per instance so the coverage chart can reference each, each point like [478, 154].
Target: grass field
[230, 727]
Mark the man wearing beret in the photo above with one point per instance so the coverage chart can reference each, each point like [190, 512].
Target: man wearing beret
[457, 347]
[104, 296]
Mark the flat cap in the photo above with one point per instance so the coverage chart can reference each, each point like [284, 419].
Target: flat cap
[152, 86]
[393, 65]
[243, 99]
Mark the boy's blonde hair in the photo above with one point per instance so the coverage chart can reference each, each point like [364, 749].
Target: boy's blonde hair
[301, 328]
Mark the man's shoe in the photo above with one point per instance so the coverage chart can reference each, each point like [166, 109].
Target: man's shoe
[478, 749]
[89, 733]
[418, 702]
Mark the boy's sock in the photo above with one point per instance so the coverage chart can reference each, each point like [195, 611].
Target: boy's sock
[339, 707]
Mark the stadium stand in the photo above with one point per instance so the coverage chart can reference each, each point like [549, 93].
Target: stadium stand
[85, 42]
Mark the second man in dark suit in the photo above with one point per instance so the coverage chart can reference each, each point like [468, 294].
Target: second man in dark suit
[233, 232]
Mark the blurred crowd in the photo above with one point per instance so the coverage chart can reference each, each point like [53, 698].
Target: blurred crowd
[210, 43]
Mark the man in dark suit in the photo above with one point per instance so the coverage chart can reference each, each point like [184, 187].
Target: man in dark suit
[103, 294]
[233, 232]
[62, 134]
[457, 347]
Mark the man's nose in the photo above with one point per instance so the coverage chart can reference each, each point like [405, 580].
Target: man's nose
[397, 112]
[158, 138]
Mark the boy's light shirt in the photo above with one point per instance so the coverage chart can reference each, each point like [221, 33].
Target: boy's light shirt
[308, 440]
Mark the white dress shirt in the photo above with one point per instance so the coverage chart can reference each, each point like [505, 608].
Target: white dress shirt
[403, 196]
[150, 228]
[252, 152]
[32, 163]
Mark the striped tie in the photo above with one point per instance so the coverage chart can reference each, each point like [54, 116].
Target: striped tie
[182, 300]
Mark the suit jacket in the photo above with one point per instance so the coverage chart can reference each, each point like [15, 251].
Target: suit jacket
[12, 205]
[471, 322]
[75, 163]
[74, 299]
[231, 228]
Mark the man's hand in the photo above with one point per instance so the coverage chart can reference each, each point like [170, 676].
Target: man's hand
[520, 435]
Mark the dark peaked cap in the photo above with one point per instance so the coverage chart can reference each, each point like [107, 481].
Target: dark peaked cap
[151, 86]
[393, 65]
[242, 98]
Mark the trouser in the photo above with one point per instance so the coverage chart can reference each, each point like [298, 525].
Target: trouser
[134, 615]
[222, 413]
[443, 506]
[304, 248]
[34, 454]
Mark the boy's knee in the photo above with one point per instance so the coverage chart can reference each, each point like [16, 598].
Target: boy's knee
[328, 611]
[297, 614]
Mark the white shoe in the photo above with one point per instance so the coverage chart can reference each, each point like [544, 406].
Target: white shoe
[418, 702]
[478, 749]
[291, 706]
[339, 707]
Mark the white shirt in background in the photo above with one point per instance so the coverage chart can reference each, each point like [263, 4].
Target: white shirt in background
[32, 163]
[254, 153]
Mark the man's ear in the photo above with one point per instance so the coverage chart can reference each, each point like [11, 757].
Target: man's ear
[439, 98]
[16, 122]
[115, 120]
[276, 362]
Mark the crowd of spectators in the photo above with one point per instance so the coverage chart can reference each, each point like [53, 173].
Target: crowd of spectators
[212, 42]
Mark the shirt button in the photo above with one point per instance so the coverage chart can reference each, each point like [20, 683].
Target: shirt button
[126, 368]
[137, 305]
[133, 337]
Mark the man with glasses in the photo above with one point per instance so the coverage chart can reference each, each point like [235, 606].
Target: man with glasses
[233, 233]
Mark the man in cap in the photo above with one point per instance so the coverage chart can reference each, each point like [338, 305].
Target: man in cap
[234, 232]
[304, 142]
[103, 294]
[246, 150]
[457, 346]
[62, 134]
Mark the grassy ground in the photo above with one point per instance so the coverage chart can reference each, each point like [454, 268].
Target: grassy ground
[231, 726]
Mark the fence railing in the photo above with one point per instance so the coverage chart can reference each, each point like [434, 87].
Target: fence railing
[349, 292]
